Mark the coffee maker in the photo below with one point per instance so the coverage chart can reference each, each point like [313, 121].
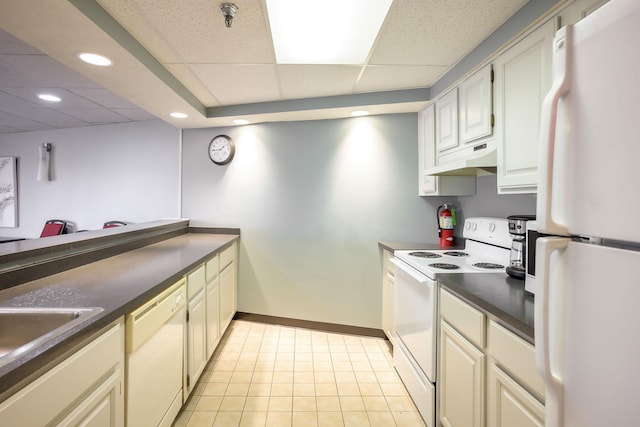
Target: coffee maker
[518, 230]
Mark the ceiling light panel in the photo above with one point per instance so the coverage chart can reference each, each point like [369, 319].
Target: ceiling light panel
[325, 31]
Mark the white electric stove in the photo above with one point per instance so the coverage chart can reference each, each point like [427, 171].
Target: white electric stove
[487, 250]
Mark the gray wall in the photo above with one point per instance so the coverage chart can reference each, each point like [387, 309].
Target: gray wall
[312, 199]
[127, 171]
[487, 202]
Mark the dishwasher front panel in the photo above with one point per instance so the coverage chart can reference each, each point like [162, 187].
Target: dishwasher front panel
[154, 366]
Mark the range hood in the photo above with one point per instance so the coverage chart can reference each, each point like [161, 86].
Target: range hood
[478, 164]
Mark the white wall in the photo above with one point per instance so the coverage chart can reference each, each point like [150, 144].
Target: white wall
[126, 172]
[312, 200]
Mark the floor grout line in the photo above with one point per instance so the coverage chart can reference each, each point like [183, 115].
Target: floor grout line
[373, 396]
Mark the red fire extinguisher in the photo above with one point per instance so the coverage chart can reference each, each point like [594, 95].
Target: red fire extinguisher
[446, 222]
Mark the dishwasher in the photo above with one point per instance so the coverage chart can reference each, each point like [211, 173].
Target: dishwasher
[154, 351]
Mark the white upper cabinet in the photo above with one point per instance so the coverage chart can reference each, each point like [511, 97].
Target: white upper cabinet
[447, 122]
[475, 106]
[434, 185]
[464, 125]
[523, 78]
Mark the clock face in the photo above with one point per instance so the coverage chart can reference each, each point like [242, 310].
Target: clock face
[221, 149]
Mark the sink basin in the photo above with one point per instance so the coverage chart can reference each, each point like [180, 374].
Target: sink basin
[23, 329]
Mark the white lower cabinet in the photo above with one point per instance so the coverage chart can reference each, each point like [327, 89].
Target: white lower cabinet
[461, 378]
[228, 285]
[487, 374]
[508, 403]
[387, 294]
[196, 345]
[211, 292]
[84, 390]
[213, 304]
[515, 390]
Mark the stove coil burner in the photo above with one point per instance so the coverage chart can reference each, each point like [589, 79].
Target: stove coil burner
[444, 266]
[456, 253]
[488, 265]
[425, 254]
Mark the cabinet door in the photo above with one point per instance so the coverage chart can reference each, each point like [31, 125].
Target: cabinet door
[99, 408]
[508, 404]
[387, 295]
[426, 150]
[461, 380]
[213, 315]
[436, 185]
[85, 389]
[475, 106]
[227, 296]
[447, 122]
[522, 79]
[196, 340]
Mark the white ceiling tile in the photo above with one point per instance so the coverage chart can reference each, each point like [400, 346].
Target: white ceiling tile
[55, 119]
[31, 72]
[21, 123]
[240, 84]
[95, 115]
[102, 97]
[433, 32]
[193, 31]
[8, 129]
[305, 81]
[68, 98]
[393, 77]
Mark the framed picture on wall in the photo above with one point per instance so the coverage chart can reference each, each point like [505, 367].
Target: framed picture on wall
[8, 192]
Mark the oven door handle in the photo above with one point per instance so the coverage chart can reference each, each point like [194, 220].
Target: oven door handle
[409, 270]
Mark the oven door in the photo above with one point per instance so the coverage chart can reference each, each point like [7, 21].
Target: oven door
[414, 319]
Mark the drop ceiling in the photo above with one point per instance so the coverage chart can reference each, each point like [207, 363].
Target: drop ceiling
[177, 55]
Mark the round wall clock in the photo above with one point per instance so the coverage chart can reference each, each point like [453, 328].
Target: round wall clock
[221, 150]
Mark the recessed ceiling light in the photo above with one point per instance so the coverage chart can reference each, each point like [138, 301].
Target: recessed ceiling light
[95, 59]
[49, 97]
[241, 122]
[325, 31]
[359, 113]
[179, 115]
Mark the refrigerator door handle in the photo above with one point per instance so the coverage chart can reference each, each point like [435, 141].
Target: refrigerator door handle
[545, 348]
[561, 86]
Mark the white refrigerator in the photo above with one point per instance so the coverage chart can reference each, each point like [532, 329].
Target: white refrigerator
[587, 306]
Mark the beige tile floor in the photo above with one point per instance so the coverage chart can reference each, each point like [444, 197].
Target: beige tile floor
[267, 375]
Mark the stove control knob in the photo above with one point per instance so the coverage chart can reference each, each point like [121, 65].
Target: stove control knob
[492, 227]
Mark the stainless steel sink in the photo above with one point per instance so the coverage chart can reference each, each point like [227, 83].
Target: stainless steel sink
[24, 329]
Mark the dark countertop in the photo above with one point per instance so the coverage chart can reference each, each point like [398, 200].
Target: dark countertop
[499, 296]
[118, 284]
